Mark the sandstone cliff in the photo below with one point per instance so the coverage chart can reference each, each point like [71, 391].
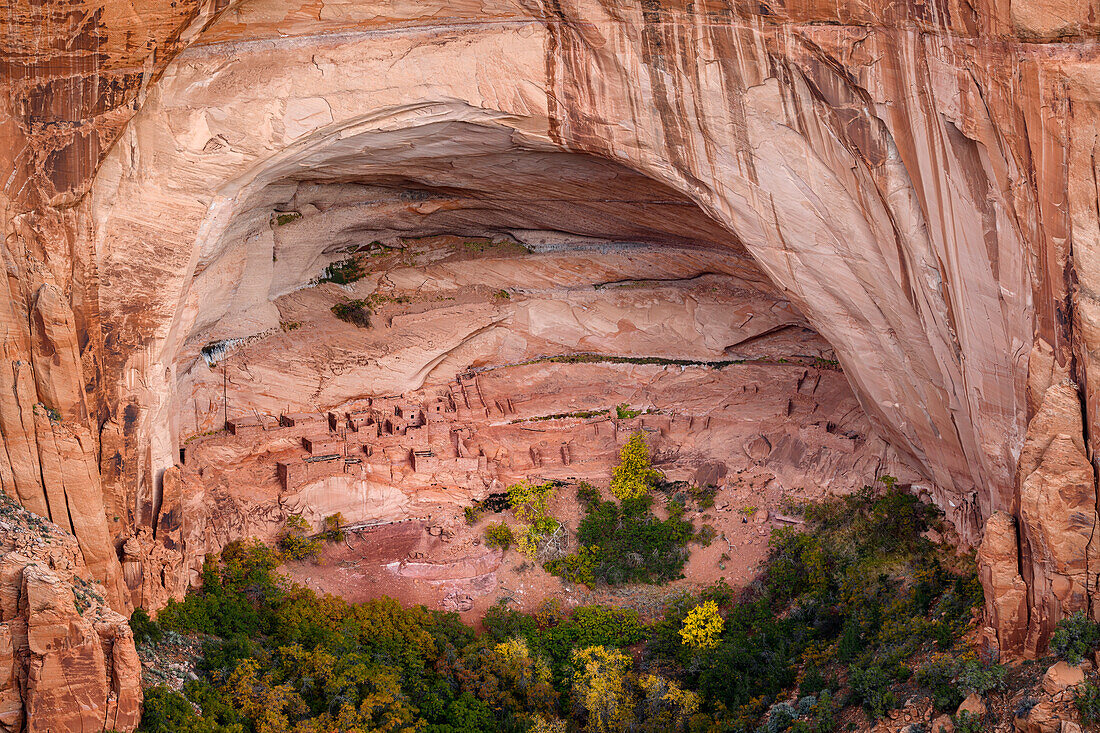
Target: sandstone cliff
[68, 661]
[918, 179]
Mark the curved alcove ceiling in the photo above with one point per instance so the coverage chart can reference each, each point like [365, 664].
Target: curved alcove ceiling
[437, 178]
[848, 223]
[469, 180]
[455, 177]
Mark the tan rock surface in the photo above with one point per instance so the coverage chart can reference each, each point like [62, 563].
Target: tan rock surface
[916, 180]
[1006, 602]
[1057, 515]
[69, 660]
[1061, 676]
[973, 704]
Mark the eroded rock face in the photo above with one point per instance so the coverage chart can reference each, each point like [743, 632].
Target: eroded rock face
[67, 661]
[1006, 592]
[1058, 517]
[912, 178]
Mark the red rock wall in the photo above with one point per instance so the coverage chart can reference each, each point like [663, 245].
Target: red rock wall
[918, 177]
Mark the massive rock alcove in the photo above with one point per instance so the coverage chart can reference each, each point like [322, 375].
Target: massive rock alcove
[487, 264]
[916, 180]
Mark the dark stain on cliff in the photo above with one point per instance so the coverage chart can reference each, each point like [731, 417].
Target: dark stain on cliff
[70, 167]
[129, 419]
[555, 31]
[669, 105]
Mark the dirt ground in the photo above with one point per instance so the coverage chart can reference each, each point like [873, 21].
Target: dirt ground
[447, 565]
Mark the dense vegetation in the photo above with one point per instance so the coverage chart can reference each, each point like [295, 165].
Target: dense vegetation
[624, 542]
[344, 271]
[618, 542]
[356, 312]
[847, 618]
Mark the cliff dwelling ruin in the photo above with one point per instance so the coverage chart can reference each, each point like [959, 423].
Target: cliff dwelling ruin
[522, 313]
[381, 260]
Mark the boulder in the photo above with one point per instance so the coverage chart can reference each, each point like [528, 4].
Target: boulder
[1040, 719]
[943, 724]
[1062, 676]
[973, 704]
[758, 448]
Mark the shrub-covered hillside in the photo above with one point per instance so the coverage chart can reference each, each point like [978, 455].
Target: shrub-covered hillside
[851, 615]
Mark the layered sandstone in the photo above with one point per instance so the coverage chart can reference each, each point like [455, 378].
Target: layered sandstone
[916, 180]
[512, 363]
[68, 660]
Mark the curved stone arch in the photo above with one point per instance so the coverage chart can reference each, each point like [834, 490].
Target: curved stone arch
[775, 165]
[394, 132]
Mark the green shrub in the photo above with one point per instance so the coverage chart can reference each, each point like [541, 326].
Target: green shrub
[1074, 637]
[332, 531]
[295, 542]
[871, 686]
[344, 272]
[780, 717]
[704, 495]
[628, 543]
[706, 535]
[824, 713]
[938, 677]
[968, 722]
[576, 567]
[355, 312]
[502, 623]
[588, 495]
[973, 676]
[144, 628]
[167, 711]
[499, 535]
[623, 411]
[1086, 697]
[472, 514]
[950, 679]
[284, 218]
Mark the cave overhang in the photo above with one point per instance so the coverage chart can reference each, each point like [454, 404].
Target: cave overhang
[827, 209]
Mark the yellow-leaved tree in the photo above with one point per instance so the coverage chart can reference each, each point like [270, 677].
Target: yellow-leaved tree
[528, 675]
[635, 475]
[702, 626]
[601, 686]
[665, 705]
[258, 696]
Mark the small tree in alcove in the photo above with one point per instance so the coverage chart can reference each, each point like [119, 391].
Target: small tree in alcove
[634, 476]
[295, 542]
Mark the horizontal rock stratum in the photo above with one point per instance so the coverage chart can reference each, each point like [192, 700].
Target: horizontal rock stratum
[916, 182]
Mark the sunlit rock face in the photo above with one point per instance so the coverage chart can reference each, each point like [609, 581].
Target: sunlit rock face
[915, 183]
